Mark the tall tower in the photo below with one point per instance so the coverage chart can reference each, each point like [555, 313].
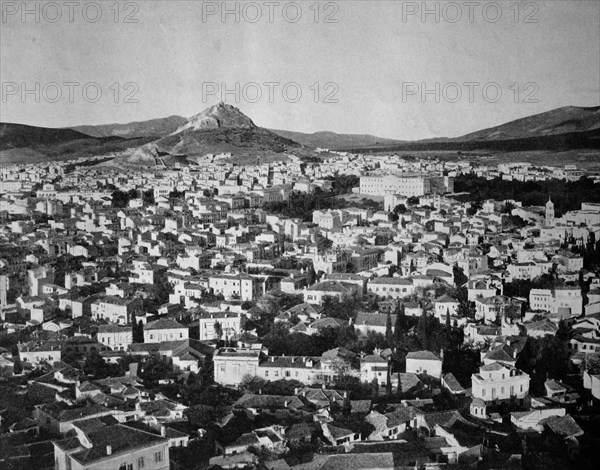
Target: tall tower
[549, 213]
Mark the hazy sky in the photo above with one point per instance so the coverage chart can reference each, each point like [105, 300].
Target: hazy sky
[374, 60]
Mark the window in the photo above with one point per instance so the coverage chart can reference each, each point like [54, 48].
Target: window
[483, 392]
[158, 456]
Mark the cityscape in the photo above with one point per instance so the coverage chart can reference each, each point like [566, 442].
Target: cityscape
[215, 292]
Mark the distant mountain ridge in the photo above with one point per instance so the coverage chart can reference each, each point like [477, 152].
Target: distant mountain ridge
[219, 116]
[150, 128]
[222, 129]
[20, 135]
[217, 130]
[564, 120]
[332, 140]
[20, 143]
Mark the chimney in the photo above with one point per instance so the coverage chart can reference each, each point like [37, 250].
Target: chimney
[323, 386]
[296, 390]
[109, 450]
[272, 358]
[163, 431]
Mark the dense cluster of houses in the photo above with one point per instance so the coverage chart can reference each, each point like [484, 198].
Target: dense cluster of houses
[177, 280]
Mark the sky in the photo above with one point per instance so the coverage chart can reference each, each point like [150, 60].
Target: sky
[398, 69]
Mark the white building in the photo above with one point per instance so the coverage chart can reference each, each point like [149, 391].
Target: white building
[302, 368]
[164, 329]
[117, 338]
[374, 367]
[239, 286]
[445, 305]
[232, 365]
[390, 287]
[230, 325]
[115, 309]
[380, 185]
[560, 298]
[424, 362]
[36, 353]
[496, 381]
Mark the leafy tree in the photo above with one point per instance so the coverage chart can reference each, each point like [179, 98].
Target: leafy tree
[460, 278]
[475, 207]
[137, 331]
[252, 383]
[389, 334]
[282, 387]
[148, 197]
[218, 330]
[343, 183]
[400, 209]
[374, 389]
[388, 380]
[566, 195]
[543, 358]
[322, 243]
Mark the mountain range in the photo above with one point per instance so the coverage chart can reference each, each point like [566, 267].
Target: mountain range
[224, 129]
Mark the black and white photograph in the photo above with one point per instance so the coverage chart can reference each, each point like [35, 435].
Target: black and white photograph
[299, 235]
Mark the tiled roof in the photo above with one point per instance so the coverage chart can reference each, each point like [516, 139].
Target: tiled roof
[121, 438]
[163, 324]
[423, 355]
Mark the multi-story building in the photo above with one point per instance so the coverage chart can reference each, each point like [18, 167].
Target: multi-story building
[390, 287]
[409, 185]
[316, 294]
[117, 338]
[557, 300]
[424, 362]
[229, 325]
[498, 381]
[38, 278]
[493, 309]
[117, 446]
[39, 352]
[164, 329]
[304, 369]
[240, 286]
[376, 322]
[374, 367]
[528, 269]
[115, 309]
[231, 365]
[405, 184]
